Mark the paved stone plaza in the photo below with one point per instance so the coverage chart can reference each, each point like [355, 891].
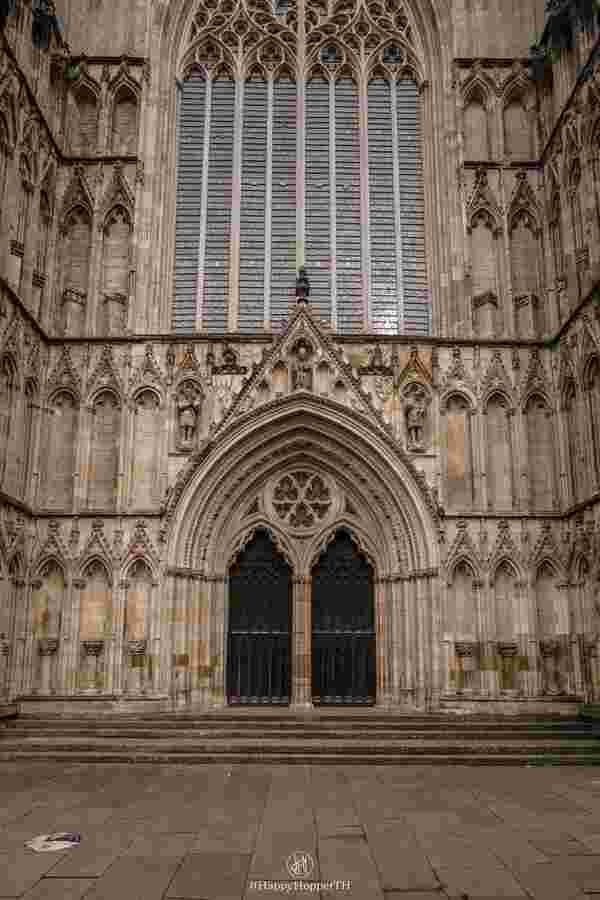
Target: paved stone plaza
[216, 832]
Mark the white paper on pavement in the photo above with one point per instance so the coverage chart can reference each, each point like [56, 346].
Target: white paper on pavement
[47, 842]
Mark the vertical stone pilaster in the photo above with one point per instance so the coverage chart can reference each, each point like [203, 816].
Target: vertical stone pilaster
[30, 244]
[409, 634]
[219, 619]
[384, 641]
[396, 646]
[121, 667]
[436, 650]
[109, 655]
[421, 636]
[74, 655]
[8, 216]
[165, 614]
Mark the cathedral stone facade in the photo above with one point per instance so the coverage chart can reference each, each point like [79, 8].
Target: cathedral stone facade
[309, 509]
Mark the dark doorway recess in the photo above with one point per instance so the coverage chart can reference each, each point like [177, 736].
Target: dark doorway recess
[258, 645]
[343, 628]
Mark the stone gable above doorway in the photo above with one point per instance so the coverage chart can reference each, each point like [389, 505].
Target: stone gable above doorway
[303, 359]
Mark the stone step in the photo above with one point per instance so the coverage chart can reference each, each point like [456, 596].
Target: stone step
[290, 722]
[145, 733]
[316, 738]
[322, 757]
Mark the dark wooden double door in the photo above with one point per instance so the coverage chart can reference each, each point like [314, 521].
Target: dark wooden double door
[259, 639]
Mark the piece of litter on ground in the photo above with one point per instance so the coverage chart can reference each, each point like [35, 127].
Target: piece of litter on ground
[44, 843]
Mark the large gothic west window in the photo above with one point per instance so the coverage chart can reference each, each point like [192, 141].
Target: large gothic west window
[292, 149]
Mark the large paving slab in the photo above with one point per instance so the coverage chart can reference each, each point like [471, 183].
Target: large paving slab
[230, 832]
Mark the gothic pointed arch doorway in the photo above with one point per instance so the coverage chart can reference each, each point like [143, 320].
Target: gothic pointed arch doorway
[259, 626]
[343, 625]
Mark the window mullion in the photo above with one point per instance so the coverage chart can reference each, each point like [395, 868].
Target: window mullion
[236, 190]
[332, 205]
[268, 203]
[301, 143]
[203, 207]
[397, 216]
[364, 205]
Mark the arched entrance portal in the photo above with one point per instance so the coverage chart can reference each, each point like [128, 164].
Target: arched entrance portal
[258, 645]
[343, 625]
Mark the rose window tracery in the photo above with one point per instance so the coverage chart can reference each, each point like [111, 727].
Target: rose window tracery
[302, 499]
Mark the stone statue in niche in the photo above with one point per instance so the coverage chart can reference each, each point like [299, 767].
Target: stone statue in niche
[302, 285]
[416, 404]
[302, 370]
[189, 405]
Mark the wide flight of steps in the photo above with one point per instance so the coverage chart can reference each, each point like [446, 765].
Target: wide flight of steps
[343, 737]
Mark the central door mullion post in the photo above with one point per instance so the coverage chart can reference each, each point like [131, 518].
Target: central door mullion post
[301, 643]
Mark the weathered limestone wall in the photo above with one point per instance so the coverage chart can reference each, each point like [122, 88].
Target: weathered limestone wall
[507, 29]
[105, 417]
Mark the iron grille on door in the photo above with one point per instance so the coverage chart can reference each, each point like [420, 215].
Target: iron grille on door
[343, 630]
[260, 596]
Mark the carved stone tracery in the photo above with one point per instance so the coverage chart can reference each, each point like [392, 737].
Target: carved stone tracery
[302, 499]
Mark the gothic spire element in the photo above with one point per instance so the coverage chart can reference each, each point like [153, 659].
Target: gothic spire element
[524, 204]
[105, 373]
[483, 203]
[78, 193]
[53, 546]
[117, 194]
[462, 547]
[149, 369]
[545, 547]
[496, 377]
[96, 546]
[535, 378]
[64, 373]
[505, 546]
[415, 369]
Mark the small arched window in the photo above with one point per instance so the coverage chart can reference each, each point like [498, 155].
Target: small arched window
[462, 613]
[96, 604]
[459, 454]
[547, 601]
[477, 142]
[592, 386]
[59, 451]
[146, 451]
[85, 128]
[540, 453]
[570, 407]
[505, 597]
[8, 396]
[518, 136]
[104, 452]
[75, 254]
[575, 200]
[499, 453]
[556, 238]
[124, 122]
[4, 153]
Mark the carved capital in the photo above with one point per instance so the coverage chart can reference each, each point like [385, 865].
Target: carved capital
[48, 646]
[93, 648]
